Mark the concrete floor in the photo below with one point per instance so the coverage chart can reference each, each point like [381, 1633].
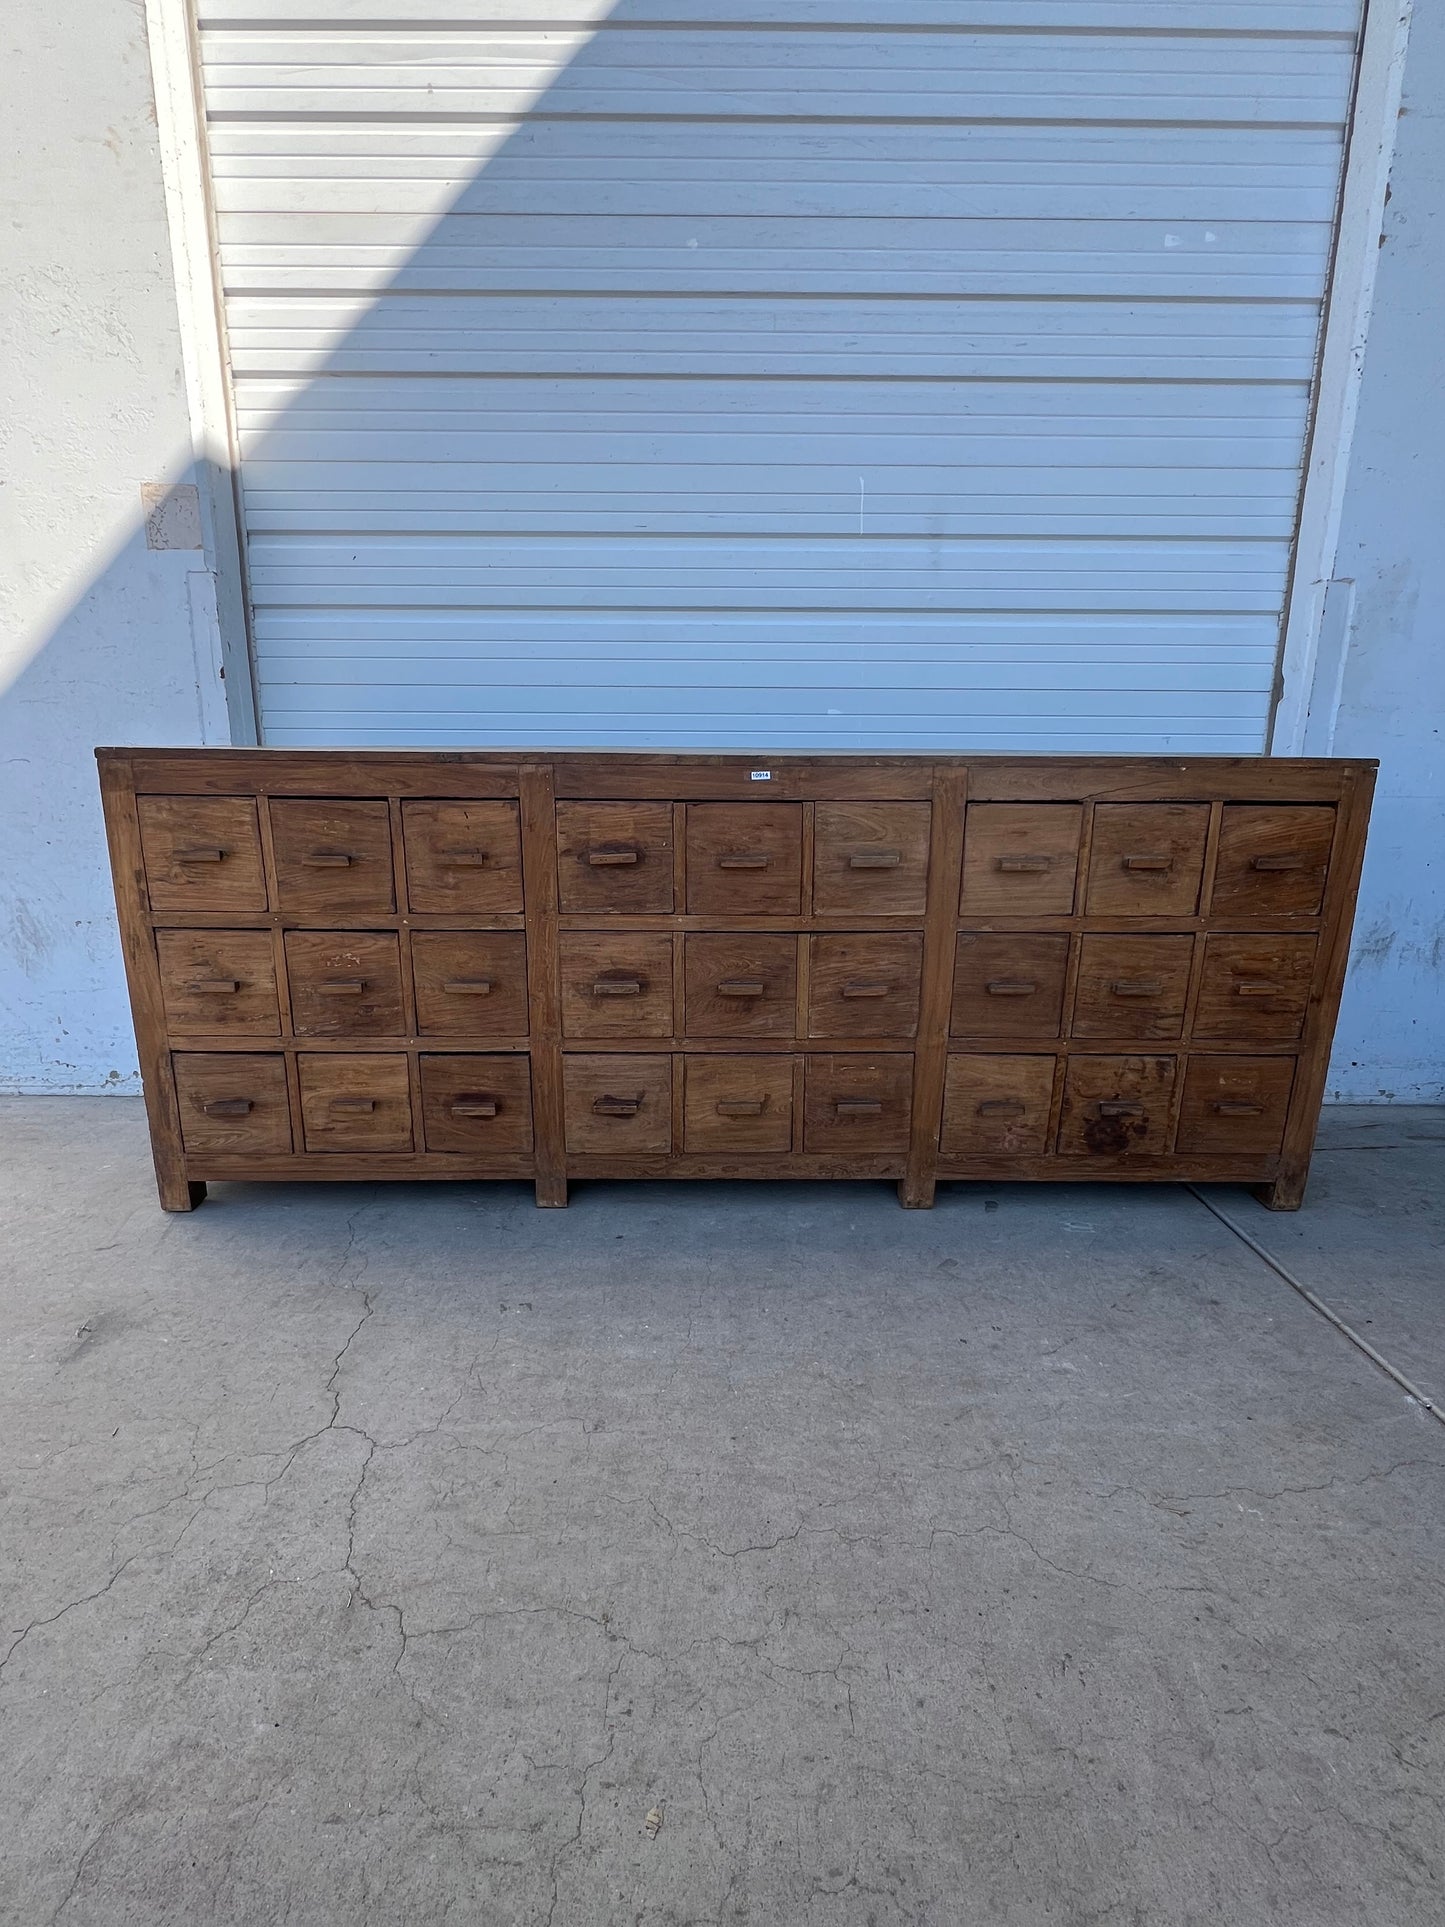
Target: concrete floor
[386, 1555]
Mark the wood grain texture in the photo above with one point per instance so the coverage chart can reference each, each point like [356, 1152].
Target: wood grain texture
[539, 877]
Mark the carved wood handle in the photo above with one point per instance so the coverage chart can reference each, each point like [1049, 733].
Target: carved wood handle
[227, 1107]
[875, 859]
[858, 1106]
[1148, 862]
[341, 987]
[1002, 1107]
[742, 987]
[617, 986]
[740, 1106]
[207, 855]
[1019, 863]
[613, 856]
[1011, 987]
[1237, 1107]
[1278, 863]
[744, 860]
[1256, 989]
[860, 988]
[357, 1106]
[1115, 1107]
[327, 859]
[474, 1107]
[468, 987]
[463, 859]
[215, 986]
[1137, 987]
[606, 1106]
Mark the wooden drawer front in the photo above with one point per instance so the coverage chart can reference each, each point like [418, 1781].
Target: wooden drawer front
[744, 859]
[616, 984]
[1272, 859]
[332, 858]
[1255, 988]
[1019, 859]
[1235, 1104]
[477, 1104]
[857, 1103]
[741, 985]
[870, 858]
[202, 852]
[1147, 859]
[355, 1102]
[614, 856]
[742, 1104]
[993, 1106]
[1132, 986]
[462, 858]
[470, 983]
[232, 1101]
[345, 983]
[616, 1104]
[219, 980]
[1116, 1106]
[1008, 986]
[864, 986]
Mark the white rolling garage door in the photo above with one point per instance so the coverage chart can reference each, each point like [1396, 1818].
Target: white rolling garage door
[835, 373]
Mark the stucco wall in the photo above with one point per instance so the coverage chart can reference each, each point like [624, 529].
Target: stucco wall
[97, 641]
[1391, 1038]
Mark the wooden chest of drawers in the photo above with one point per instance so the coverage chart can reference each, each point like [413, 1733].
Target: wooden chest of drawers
[401, 964]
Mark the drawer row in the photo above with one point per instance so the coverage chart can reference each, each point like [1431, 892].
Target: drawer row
[1251, 988]
[338, 858]
[472, 1104]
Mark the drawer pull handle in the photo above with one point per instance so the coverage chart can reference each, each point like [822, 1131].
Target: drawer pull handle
[858, 1106]
[745, 860]
[199, 856]
[740, 1106]
[468, 987]
[215, 986]
[613, 856]
[475, 1107]
[859, 988]
[1011, 987]
[1002, 1107]
[1272, 863]
[875, 859]
[1116, 1107]
[1148, 862]
[227, 1107]
[617, 986]
[357, 1106]
[605, 1106]
[1256, 989]
[1237, 1107]
[462, 859]
[341, 987]
[1137, 987]
[1019, 863]
[742, 987]
[327, 860]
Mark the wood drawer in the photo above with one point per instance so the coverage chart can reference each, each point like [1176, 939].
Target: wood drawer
[870, 859]
[462, 858]
[996, 1106]
[854, 1102]
[616, 984]
[738, 1104]
[1237, 1104]
[1020, 859]
[615, 857]
[1147, 859]
[864, 985]
[1116, 1106]
[618, 1103]
[232, 1101]
[1132, 986]
[357, 1101]
[1273, 859]
[744, 859]
[477, 1104]
[202, 852]
[1009, 985]
[215, 981]
[740, 984]
[470, 983]
[1256, 989]
[333, 858]
[345, 983]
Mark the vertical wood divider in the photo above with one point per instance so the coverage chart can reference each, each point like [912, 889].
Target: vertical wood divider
[537, 797]
[401, 897]
[930, 1051]
[283, 975]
